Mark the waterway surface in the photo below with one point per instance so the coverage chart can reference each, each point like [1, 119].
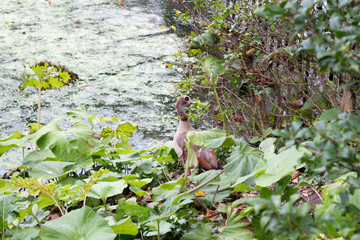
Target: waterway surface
[119, 50]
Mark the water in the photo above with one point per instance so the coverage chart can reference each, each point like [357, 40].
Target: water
[119, 50]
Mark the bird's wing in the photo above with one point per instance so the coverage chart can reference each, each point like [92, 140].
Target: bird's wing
[179, 144]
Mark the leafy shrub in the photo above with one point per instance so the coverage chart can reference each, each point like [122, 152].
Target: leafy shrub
[267, 64]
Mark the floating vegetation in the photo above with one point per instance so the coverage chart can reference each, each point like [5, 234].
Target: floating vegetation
[50, 75]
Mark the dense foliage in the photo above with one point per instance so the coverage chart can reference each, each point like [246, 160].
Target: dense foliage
[90, 175]
[284, 81]
[266, 64]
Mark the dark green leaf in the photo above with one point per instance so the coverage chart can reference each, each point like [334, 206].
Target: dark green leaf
[107, 189]
[78, 224]
[125, 226]
[49, 169]
[242, 161]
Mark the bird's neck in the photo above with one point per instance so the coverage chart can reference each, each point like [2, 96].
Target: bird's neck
[184, 122]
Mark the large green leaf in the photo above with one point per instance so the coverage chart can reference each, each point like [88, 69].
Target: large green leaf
[279, 165]
[138, 191]
[330, 114]
[7, 205]
[58, 141]
[36, 157]
[54, 138]
[213, 67]
[259, 168]
[168, 189]
[220, 142]
[271, 167]
[78, 224]
[133, 209]
[49, 169]
[24, 234]
[82, 162]
[268, 145]
[125, 158]
[133, 181]
[242, 161]
[85, 140]
[107, 189]
[125, 226]
[200, 137]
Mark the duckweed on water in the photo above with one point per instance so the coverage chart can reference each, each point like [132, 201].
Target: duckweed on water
[119, 52]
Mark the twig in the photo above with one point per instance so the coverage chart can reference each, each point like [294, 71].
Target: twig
[317, 194]
[166, 175]
[204, 183]
[201, 203]
[217, 189]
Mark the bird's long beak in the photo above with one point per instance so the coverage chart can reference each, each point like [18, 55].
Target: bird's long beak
[192, 102]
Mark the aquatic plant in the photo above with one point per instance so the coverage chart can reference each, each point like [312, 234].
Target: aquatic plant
[45, 76]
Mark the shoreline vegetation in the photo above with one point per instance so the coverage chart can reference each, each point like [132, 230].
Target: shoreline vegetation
[278, 82]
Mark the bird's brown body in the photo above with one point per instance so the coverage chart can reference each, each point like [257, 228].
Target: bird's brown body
[206, 157]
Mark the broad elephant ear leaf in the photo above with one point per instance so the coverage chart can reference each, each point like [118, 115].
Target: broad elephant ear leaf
[242, 161]
[78, 224]
[54, 138]
[49, 169]
[200, 137]
[36, 157]
[279, 165]
[107, 189]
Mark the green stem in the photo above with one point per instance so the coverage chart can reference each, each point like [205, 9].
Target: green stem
[56, 203]
[23, 157]
[39, 110]
[158, 228]
[220, 107]
[37, 220]
[106, 213]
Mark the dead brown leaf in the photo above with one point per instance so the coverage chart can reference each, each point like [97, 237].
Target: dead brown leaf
[250, 52]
